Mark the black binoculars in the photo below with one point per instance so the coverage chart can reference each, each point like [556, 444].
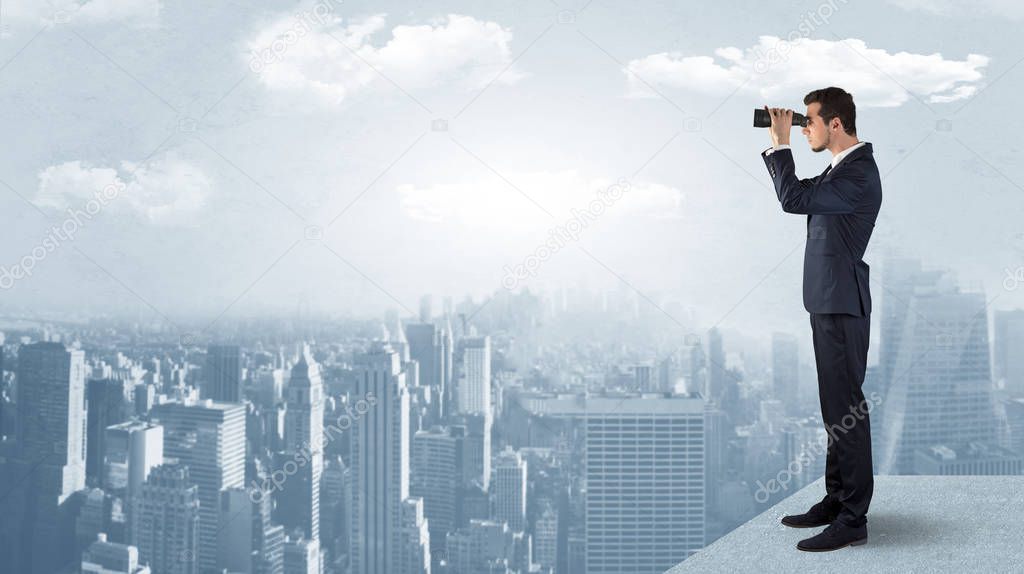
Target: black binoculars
[763, 119]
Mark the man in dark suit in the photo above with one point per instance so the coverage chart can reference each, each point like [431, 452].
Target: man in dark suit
[841, 206]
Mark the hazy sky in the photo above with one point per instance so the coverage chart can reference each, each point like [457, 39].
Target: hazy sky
[257, 154]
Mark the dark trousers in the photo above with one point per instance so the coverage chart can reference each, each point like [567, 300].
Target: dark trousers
[841, 356]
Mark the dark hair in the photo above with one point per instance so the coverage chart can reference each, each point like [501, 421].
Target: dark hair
[835, 103]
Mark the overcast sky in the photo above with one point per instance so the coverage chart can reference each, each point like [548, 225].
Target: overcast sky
[354, 155]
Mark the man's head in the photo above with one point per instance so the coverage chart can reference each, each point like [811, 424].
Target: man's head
[831, 118]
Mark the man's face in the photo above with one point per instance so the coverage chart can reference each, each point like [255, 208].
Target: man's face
[816, 131]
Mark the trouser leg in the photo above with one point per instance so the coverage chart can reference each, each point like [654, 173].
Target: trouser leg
[840, 353]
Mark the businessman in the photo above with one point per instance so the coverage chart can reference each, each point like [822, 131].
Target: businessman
[841, 206]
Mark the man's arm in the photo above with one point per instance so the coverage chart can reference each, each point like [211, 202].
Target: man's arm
[838, 195]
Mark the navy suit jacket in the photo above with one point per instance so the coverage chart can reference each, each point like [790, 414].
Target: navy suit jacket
[841, 206]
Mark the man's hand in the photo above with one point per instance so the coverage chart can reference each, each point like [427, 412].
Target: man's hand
[782, 124]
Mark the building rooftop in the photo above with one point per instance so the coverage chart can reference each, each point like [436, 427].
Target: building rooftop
[915, 524]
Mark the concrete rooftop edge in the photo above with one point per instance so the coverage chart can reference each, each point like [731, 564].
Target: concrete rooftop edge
[915, 524]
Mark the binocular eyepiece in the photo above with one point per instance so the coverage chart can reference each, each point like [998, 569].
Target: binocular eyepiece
[763, 119]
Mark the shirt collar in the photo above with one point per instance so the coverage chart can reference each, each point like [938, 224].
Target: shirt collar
[839, 156]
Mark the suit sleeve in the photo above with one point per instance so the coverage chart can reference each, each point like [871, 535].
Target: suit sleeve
[839, 195]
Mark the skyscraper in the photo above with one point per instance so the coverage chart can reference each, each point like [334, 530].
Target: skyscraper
[209, 438]
[474, 393]
[436, 476]
[106, 405]
[36, 523]
[223, 374]
[656, 441]
[940, 387]
[1009, 361]
[303, 437]
[380, 462]
[508, 489]
[167, 525]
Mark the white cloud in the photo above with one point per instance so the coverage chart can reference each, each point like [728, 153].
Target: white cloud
[313, 53]
[1013, 9]
[165, 191]
[776, 68]
[497, 205]
[140, 12]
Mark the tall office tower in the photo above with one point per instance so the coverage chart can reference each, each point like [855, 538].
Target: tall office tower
[209, 438]
[475, 391]
[643, 376]
[399, 343]
[237, 520]
[415, 539]
[94, 517]
[48, 462]
[652, 440]
[941, 389]
[166, 529]
[303, 439]
[380, 462]
[425, 347]
[301, 555]
[903, 277]
[717, 374]
[436, 476]
[105, 399]
[269, 385]
[668, 373]
[102, 557]
[508, 489]
[223, 374]
[697, 378]
[545, 538]
[448, 366]
[268, 537]
[476, 456]
[786, 371]
[130, 450]
[333, 526]
[1009, 360]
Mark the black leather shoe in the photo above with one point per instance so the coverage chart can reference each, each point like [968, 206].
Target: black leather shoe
[836, 536]
[818, 515]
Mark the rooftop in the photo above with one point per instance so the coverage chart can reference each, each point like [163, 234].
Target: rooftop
[915, 524]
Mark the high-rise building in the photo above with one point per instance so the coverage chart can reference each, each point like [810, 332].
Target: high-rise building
[655, 440]
[508, 489]
[223, 374]
[48, 462]
[130, 450]
[209, 438]
[166, 527]
[303, 438]
[415, 539]
[939, 390]
[380, 462]
[426, 348]
[474, 394]
[1009, 361]
[106, 406]
[436, 476]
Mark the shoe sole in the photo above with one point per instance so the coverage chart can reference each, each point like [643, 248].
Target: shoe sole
[860, 542]
[792, 525]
